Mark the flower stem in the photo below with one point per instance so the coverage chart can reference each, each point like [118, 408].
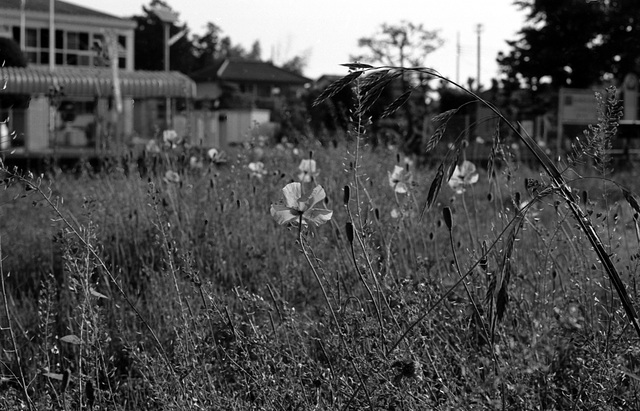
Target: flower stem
[315, 273]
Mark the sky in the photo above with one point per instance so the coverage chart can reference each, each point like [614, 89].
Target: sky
[327, 31]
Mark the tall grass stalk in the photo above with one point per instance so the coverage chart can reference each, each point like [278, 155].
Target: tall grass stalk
[35, 185]
[385, 309]
[560, 186]
[20, 378]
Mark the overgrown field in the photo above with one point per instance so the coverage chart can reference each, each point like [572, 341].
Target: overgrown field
[168, 283]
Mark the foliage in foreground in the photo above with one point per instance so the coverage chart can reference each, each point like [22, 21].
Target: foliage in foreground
[167, 284]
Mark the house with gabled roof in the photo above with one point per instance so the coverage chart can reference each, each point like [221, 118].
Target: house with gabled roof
[244, 94]
[82, 90]
[254, 79]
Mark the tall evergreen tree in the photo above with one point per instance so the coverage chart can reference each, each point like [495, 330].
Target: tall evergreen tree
[149, 43]
[574, 43]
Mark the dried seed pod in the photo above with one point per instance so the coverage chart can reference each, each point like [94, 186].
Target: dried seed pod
[448, 220]
[89, 392]
[65, 380]
[349, 229]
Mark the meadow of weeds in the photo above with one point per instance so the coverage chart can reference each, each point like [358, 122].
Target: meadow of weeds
[189, 279]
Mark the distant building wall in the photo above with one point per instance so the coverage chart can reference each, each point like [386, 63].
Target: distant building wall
[206, 128]
[37, 124]
[236, 126]
[208, 91]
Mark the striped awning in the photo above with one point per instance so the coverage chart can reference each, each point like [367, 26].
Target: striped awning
[95, 81]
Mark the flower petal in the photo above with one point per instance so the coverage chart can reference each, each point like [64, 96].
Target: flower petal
[308, 166]
[395, 176]
[212, 153]
[401, 188]
[304, 177]
[283, 214]
[472, 178]
[455, 181]
[316, 195]
[292, 193]
[317, 216]
[468, 167]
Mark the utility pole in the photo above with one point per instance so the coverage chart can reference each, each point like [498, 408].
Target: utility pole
[167, 17]
[23, 23]
[52, 35]
[479, 33]
[458, 57]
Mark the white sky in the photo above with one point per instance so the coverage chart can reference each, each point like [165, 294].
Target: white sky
[329, 30]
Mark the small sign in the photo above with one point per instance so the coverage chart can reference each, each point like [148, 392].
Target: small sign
[577, 106]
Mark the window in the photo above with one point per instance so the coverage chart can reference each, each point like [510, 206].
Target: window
[59, 40]
[73, 41]
[77, 41]
[44, 57]
[98, 41]
[72, 48]
[31, 56]
[44, 39]
[71, 59]
[32, 38]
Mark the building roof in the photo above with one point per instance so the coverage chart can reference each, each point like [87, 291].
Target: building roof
[326, 79]
[239, 70]
[95, 81]
[60, 7]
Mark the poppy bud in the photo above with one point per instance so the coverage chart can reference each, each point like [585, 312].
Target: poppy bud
[89, 392]
[346, 195]
[446, 213]
[484, 263]
[349, 229]
[65, 380]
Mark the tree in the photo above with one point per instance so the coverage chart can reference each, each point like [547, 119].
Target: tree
[149, 44]
[213, 46]
[574, 43]
[10, 54]
[296, 64]
[256, 52]
[405, 45]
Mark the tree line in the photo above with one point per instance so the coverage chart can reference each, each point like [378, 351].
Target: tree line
[563, 43]
[191, 52]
